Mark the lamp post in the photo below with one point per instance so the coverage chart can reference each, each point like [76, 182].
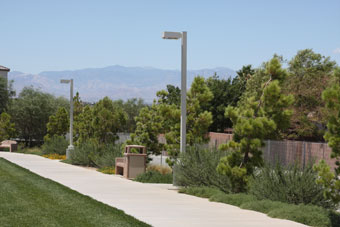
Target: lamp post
[183, 36]
[70, 147]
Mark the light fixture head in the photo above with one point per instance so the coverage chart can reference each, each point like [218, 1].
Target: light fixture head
[172, 35]
[65, 81]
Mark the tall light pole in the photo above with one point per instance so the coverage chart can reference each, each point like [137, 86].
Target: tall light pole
[70, 147]
[183, 36]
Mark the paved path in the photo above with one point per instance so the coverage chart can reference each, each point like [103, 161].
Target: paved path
[156, 205]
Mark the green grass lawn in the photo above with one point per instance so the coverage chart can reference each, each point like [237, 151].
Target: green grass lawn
[27, 199]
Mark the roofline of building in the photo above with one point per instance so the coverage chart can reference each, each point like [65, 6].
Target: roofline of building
[3, 68]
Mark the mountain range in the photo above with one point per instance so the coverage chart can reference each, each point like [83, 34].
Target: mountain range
[116, 82]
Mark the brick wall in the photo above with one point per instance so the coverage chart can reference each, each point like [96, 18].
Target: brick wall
[217, 139]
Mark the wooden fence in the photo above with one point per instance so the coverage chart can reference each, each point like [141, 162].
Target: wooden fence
[286, 151]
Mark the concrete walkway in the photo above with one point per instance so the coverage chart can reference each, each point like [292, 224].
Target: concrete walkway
[156, 205]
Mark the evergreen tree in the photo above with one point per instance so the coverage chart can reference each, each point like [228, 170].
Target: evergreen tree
[222, 96]
[83, 130]
[198, 119]
[6, 93]
[226, 92]
[239, 83]
[31, 110]
[332, 98]
[107, 121]
[327, 178]
[132, 107]
[58, 124]
[7, 128]
[163, 117]
[78, 105]
[258, 119]
[309, 75]
[149, 125]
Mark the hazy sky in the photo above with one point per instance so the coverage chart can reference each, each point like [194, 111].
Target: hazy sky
[45, 35]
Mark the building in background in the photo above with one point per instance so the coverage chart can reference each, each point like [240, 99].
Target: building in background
[3, 72]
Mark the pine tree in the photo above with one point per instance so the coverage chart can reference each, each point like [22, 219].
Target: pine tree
[198, 119]
[163, 117]
[149, 125]
[107, 120]
[83, 130]
[258, 119]
[327, 178]
[7, 128]
[332, 98]
[58, 124]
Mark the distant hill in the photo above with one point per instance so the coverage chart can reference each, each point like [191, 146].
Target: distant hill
[117, 82]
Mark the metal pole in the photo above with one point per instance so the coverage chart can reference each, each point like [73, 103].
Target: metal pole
[71, 114]
[183, 92]
[70, 147]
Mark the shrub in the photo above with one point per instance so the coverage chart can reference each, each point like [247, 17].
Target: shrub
[55, 156]
[92, 154]
[204, 192]
[5, 149]
[161, 169]
[233, 199]
[329, 181]
[290, 184]
[55, 145]
[197, 167]
[263, 206]
[154, 177]
[106, 155]
[29, 150]
[306, 214]
[83, 154]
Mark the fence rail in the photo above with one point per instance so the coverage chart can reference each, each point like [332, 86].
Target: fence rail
[285, 152]
[301, 152]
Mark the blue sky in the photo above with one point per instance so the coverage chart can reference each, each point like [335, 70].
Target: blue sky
[46, 35]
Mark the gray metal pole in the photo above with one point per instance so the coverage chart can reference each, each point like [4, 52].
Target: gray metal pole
[70, 147]
[184, 92]
[71, 114]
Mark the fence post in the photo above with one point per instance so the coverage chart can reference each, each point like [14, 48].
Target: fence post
[304, 154]
[268, 149]
[323, 151]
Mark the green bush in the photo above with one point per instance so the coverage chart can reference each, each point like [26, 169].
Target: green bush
[233, 199]
[92, 154]
[159, 168]
[290, 184]
[55, 145]
[106, 155]
[306, 214]
[30, 150]
[203, 192]
[217, 195]
[197, 167]
[83, 154]
[154, 177]
[263, 206]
